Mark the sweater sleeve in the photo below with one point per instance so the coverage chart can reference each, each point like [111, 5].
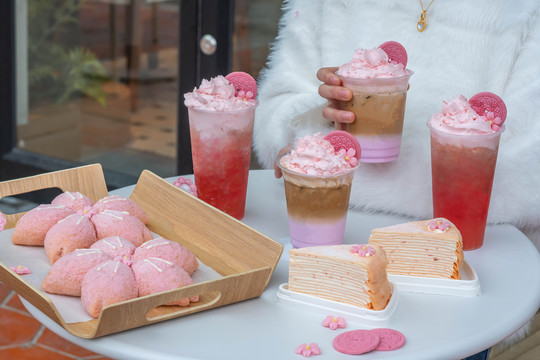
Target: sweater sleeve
[289, 103]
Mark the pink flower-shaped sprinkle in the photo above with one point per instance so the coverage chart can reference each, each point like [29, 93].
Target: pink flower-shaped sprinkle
[363, 250]
[334, 322]
[308, 349]
[439, 225]
[187, 185]
[21, 270]
[125, 259]
[3, 221]
[88, 211]
[496, 122]
[350, 157]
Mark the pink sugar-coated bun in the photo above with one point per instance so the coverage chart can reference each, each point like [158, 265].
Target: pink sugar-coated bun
[154, 275]
[33, 226]
[106, 284]
[117, 223]
[119, 203]
[71, 233]
[73, 200]
[168, 250]
[115, 246]
[66, 274]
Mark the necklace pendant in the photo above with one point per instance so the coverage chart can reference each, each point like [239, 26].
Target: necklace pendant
[421, 25]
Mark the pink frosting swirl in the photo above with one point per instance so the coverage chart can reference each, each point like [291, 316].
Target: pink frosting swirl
[373, 63]
[458, 117]
[216, 94]
[313, 155]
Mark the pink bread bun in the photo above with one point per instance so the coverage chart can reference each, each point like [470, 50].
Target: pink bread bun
[154, 275]
[120, 223]
[168, 250]
[106, 284]
[119, 203]
[66, 274]
[33, 226]
[115, 246]
[70, 233]
[73, 200]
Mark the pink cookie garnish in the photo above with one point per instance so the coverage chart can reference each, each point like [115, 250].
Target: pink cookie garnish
[21, 270]
[334, 322]
[244, 84]
[485, 103]
[395, 51]
[363, 250]
[439, 225]
[308, 349]
[88, 211]
[343, 140]
[356, 342]
[389, 339]
[186, 185]
[3, 221]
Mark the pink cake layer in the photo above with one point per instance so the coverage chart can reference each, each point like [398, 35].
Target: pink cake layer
[316, 233]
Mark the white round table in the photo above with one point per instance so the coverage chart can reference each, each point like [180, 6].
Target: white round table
[435, 326]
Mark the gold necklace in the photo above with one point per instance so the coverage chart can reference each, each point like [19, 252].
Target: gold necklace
[421, 25]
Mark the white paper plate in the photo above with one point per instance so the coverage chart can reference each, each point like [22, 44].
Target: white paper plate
[469, 285]
[369, 318]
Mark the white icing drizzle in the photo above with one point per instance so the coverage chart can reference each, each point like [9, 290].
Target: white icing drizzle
[116, 266]
[67, 217]
[79, 195]
[111, 245]
[154, 265]
[158, 244]
[70, 195]
[80, 219]
[119, 242]
[160, 259]
[107, 212]
[103, 265]
[47, 206]
[82, 252]
[115, 199]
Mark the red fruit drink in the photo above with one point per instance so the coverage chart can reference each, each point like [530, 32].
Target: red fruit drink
[464, 151]
[221, 129]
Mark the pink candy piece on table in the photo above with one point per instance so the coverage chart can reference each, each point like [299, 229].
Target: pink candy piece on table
[356, 342]
[244, 84]
[334, 322]
[395, 51]
[21, 270]
[491, 106]
[389, 339]
[186, 185]
[343, 140]
[307, 350]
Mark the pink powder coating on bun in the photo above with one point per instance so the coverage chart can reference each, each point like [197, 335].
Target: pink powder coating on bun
[372, 63]
[66, 274]
[73, 200]
[118, 223]
[71, 233]
[168, 250]
[119, 203]
[33, 226]
[154, 275]
[106, 284]
[115, 246]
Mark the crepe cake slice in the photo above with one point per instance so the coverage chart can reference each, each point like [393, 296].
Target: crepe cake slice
[351, 274]
[429, 248]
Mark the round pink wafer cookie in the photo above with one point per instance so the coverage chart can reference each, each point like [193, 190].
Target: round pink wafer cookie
[356, 342]
[343, 140]
[243, 82]
[395, 51]
[389, 339]
[485, 102]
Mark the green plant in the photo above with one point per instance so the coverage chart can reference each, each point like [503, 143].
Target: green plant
[57, 68]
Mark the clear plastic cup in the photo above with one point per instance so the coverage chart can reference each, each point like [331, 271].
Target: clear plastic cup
[317, 206]
[462, 170]
[379, 108]
[221, 151]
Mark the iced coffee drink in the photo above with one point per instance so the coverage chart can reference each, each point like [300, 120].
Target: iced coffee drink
[379, 88]
[318, 182]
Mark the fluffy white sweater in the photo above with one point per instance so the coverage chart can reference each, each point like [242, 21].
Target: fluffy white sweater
[468, 47]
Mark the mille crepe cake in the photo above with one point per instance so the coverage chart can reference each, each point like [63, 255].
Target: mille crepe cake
[430, 248]
[351, 274]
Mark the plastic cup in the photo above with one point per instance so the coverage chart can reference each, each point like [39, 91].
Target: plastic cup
[462, 170]
[378, 105]
[221, 151]
[317, 206]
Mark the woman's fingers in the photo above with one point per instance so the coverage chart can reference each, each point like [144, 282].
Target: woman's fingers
[335, 92]
[338, 116]
[328, 76]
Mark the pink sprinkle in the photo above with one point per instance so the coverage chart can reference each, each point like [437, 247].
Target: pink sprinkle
[187, 185]
[3, 221]
[308, 349]
[363, 250]
[296, 13]
[88, 211]
[439, 225]
[334, 322]
[124, 259]
[21, 270]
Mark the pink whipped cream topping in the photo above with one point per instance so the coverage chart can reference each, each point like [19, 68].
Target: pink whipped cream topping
[313, 155]
[373, 63]
[217, 94]
[458, 117]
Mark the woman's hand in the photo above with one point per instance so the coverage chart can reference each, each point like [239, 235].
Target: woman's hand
[332, 90]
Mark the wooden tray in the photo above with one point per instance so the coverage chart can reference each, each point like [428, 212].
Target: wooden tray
[244, 257]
